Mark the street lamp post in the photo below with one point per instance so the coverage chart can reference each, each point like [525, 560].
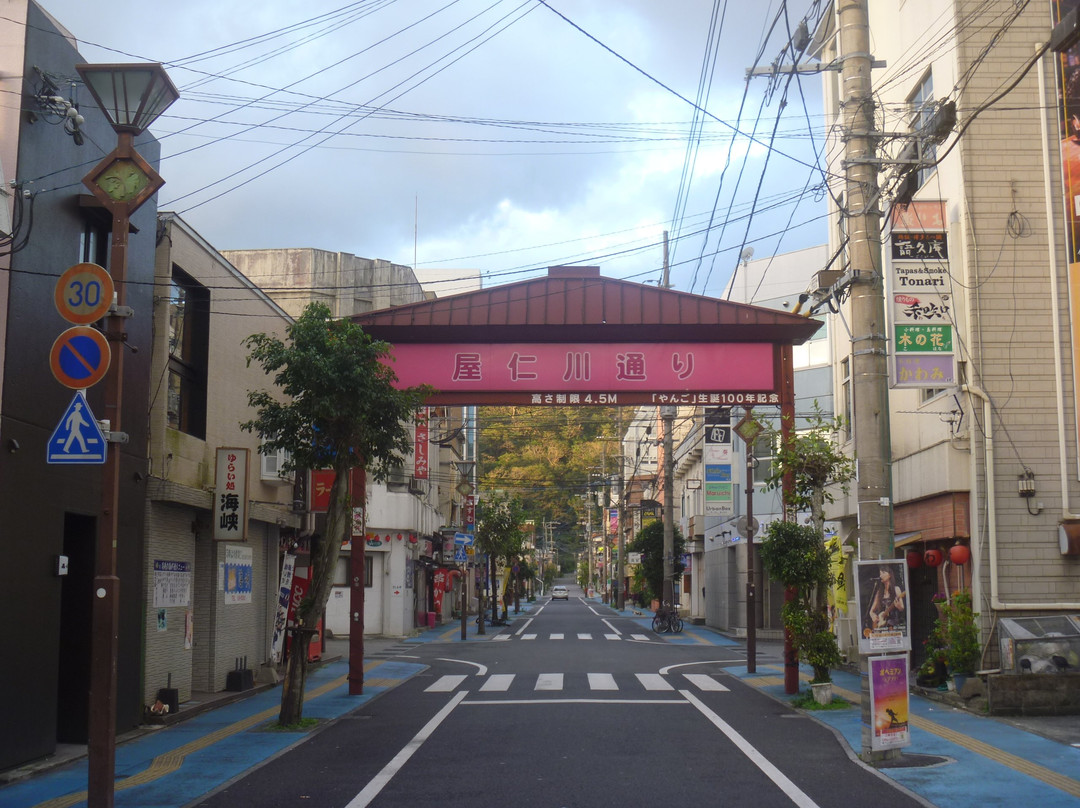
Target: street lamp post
[131, 96]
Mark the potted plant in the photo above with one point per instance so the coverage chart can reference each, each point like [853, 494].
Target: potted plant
[962, 637]
[932, 672]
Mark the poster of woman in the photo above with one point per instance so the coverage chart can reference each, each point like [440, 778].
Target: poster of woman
[889, 701]
[884, 617]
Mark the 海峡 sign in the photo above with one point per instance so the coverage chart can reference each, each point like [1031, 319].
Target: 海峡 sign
[230, 495]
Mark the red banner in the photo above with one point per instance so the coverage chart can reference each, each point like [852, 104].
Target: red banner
[321, 483]
[420, 447]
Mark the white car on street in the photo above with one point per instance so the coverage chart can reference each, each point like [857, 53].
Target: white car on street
[560, 593]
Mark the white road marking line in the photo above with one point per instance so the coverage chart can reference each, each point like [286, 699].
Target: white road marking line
[481, 670]
[528, 637]
[445, 684]
[524, 626]
[549, 681]
[653, 681]
[555, 637]
[607, 623]
[640, 637]
[612, 637]
[705, 682]
[379, 781]
[794, 793]
[584, 636]
[498, 682]
[602, 681]
[500, 637]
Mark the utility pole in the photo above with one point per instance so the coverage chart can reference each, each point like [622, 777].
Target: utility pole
[870, 379]
[667, 416]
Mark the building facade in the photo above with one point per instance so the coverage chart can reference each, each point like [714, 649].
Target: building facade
[210, 594]
[52, 512]
[979, 275]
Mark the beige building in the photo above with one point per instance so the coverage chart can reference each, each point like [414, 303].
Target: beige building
[211, 595]
[980, 334]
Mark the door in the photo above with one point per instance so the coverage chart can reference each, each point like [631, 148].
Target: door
[76, 592]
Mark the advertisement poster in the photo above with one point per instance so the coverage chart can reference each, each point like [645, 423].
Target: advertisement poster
[881, 591]
[889, 702]
[239, 574]
[172, 583]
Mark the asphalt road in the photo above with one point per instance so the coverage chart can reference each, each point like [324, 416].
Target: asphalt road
[574, 706]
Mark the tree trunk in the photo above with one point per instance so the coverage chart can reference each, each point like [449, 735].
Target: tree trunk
[324, 557]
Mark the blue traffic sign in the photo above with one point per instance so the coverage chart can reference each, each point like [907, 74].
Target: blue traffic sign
[460, 554]
[464, 538]
[80, 357]
[77, 439]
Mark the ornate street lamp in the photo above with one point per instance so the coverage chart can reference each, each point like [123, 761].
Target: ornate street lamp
[131, 96]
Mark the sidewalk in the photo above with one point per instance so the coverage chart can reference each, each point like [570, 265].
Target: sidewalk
[975, 760]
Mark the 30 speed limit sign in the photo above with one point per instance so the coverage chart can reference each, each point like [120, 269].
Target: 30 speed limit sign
[84, 294]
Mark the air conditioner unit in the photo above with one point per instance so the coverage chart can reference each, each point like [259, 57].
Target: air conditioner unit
[417, 486]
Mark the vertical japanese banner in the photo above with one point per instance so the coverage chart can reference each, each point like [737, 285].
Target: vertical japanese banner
[889, 702]
[420, 447]
[322, 480]
[231, 495]
[288, 565]
[1068, 84]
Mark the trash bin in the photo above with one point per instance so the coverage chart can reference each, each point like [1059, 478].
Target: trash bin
[431, 619]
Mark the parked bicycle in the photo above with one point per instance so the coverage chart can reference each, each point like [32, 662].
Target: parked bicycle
[667, 620]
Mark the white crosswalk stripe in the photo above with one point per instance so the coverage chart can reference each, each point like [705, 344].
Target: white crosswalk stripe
[584, 636]
[498, 683]
[703, 681]
[501, 637]
[528, 636]
[640, 637]
[549, 681]
[602, 681]
[445, 684]
[653, 681]
[612, 637]
[556, 636]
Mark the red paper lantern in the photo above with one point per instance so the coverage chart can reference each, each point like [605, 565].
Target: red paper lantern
[933, 558]
[959, 554]
[914, 559]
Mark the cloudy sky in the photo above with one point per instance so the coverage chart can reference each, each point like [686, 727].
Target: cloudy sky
[499, 136]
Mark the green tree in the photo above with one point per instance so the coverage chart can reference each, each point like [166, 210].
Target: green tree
[794, 555]
[650, 543]
[338, 409]
[816, 466]
[500, 530]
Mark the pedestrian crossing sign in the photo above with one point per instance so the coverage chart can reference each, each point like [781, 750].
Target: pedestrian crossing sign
[77, 438]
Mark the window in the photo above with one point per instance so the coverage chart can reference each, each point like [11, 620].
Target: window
[928, 393]
[94, 244]
[922, 112]
[369, 574]
[189, 338]
[764, 451]
[273, 465]
[813, 352]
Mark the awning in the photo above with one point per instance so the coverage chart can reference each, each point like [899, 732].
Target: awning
[902, 539]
